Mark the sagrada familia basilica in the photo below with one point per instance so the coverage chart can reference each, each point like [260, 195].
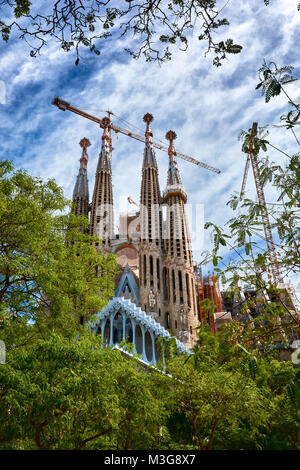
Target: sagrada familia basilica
[155, 290]
[158, 292]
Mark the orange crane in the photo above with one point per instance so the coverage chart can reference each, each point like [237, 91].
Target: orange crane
[63, 105]
[273, 268]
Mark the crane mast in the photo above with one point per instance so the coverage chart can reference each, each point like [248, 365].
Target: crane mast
[273, 268]
[63, 105]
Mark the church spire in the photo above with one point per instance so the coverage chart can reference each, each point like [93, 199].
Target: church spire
[150, 269]
[178, 273]
[150, 191]
[101, 222]
[81, 188]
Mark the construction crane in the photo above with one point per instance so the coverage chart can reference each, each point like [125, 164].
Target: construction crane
[63, 105]
[273, 268]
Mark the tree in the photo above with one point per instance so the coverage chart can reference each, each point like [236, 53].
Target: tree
[270, 316]
[157, 25]
[48, 268]
[71, 393]
[60, 393]
[227, 398]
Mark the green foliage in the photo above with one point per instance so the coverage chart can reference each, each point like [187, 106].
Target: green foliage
[267, 316]
[223, 48]
[72, 394]
[84, 23]
[47, 265]
[22, 8]
[226, 397]
[272, 80]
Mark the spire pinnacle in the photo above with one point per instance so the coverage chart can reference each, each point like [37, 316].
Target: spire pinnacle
[104, 162]
[148, 118]
[81, 188]
[149, 155]
[173, 172]
[106, 137]
[84, 144]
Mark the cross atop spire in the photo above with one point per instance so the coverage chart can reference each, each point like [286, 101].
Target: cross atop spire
[149, 154]
[104, 162]
[173, 172]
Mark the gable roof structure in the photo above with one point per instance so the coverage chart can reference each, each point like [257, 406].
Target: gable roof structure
[139, 317]
[128, 281]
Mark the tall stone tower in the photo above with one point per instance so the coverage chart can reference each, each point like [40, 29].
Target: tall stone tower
[155, 258]
[81, 190]
[178, 271]
[150, 272]
[101, 219]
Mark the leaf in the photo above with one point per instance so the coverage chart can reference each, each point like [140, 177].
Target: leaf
[243, 348]
[231, 48]
[263, 145]
[252, 363]
[164, 38]
[222, 241]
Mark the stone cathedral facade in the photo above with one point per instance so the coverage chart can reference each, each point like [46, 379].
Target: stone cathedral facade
[153, 246]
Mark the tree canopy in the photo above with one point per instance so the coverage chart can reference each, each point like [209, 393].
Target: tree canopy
[156, 26]
[261, 318]
[48, 267]
[62, 393]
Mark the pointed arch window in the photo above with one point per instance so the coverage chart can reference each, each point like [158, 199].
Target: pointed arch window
[180, 286]
[145, 270]
[158, 273]
[166, 283]
[188, 289]
[151, 270]
[174, 286]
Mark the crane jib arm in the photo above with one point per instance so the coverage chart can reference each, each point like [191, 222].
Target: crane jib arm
[63, 105]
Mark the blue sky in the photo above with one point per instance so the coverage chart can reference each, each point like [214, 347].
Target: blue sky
[205, 105]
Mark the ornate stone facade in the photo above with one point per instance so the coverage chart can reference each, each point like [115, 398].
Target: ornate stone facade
[178, 272]
[154, 255]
